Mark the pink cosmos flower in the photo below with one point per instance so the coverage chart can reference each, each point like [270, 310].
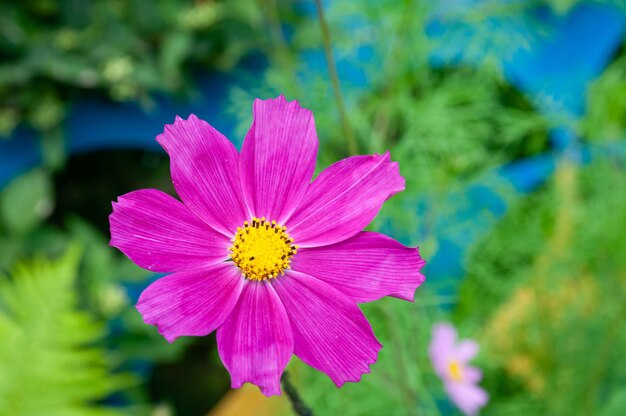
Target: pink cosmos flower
[450, 360]
[273, 261]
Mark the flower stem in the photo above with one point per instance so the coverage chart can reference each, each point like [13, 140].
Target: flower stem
[334, 78]
[299, 407]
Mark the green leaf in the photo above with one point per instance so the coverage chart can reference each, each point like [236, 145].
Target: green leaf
[26, 202]
[53, 148]
[176, 48]
[49, 361]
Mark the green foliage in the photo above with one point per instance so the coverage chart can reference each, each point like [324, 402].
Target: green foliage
[547, 287]
[606, 105]
[26, 202]
[443, 125]
[50, 362]
[51, 52]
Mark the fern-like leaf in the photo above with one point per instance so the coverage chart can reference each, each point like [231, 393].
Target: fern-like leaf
[50, 363]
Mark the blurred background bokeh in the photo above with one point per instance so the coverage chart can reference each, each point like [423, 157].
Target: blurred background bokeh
[508, 119]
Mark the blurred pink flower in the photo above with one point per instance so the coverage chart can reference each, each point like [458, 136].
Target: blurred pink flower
[273, 261]
[451, 363]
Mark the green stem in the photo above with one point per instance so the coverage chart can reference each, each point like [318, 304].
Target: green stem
[334, 78]
[420, 319]
[280, 46]
[298, 405]
[410, 396]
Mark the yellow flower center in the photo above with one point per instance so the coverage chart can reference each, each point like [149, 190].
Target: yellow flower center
[262, 249]
[456, 371]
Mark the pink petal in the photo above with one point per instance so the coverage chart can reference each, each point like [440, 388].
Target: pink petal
[469, 398]
[159, 233]
[256, 342]
[441, 347]
[193, 303]
[472, 375]
[278, 158]
[330, 332]
[466, 350]
[365, 267]
[344, 199]
[204, 168]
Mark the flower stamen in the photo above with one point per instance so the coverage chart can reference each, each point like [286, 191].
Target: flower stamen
[262, 249]
[456, 371]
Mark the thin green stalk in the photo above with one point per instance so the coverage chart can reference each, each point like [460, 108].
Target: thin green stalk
[423, 319]
[398, 40]
[280, 47]
[334, 78]
[410, 396]
[427, 396]
[298, 405]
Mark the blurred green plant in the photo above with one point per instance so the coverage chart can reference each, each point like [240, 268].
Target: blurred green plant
[605, 118]
[50, 359]
[26, 202]
[547, 286]
[52, 52]
[106, 283]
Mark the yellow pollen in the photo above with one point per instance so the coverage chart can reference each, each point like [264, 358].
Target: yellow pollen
[262, 249]
[456, 371]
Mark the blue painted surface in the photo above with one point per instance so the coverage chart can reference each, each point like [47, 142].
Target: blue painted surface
[556, 58]
[558, 67]
[18, 154]
[564, 53]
